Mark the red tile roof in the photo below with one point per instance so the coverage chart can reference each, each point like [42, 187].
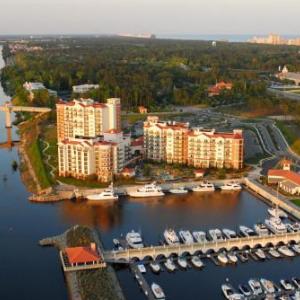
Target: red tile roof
[138, 142]
[289, 175]
[81, 255]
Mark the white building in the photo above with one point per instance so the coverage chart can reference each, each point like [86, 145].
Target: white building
[83, 88]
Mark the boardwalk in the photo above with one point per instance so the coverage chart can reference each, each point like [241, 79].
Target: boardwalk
[153, 252]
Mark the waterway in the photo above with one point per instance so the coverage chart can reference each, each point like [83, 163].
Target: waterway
[30, 272]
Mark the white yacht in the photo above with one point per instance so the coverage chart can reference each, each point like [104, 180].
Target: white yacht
[231, 186]
[296, 282]
[296, 248]
[275, 225]
[155, 267]
[260, 253]
[204, 187]
[182, 262]
[294, 227]
[277, 213]
[229, 234]
[255, 286]
[286, 251]
[157, 291]
[148, 190]
[171, 237]
[230, 293]
[287, 285]
[222, 258]
[200, 236]
[134, 239]
[186, 237]
[141, 268]
[170, 266]
[268, 286]
[107, 194]
[179, 190]
[273, 252]
[215, 234]
[232, 257]
[197, 262]
[246, 231]
[261, 229]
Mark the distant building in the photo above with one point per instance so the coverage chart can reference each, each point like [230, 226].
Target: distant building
[292, 76]
[175, 142]
[83, 88]
[31, 87]
[143, 110]
[199, 173]
[216, 89]
[138, 35]
[275, 39]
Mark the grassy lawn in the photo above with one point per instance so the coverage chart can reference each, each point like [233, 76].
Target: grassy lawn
[296, 202]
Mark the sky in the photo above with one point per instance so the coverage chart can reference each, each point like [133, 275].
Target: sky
[149, 16]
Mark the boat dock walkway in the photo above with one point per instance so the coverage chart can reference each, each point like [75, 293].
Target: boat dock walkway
[142, 282]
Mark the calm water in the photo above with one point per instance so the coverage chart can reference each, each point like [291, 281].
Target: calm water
[30, 272]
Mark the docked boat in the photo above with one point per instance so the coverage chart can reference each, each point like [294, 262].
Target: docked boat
[157, 291]
[277, 213]
[243, 256]
[230, 293]
[155, 267]
[204, 187]
[116, 242]
[274, 253]
[246, 231]
[261, 229]
[245, 290]
[287, 284]
[260, 254]
[200, 236]
[275, 225]
[296, 282]
[148, 190]
[255, 287]
[170, 266]
[197, 262]
[296, 248]
[286, 251]
[171, 237]
[134, 239]
[186, 237]
[222, 258]
[232, 257]
[294, 227]
[231, 186]
[182, 262]
[268, 286]
[141, 268]
[107, 195]
[229, 234]
[215, 235]
[179, 190]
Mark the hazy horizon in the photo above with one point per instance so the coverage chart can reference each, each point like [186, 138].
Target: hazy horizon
[167, 17]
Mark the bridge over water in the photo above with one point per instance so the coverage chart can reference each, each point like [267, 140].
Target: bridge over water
[153, 252]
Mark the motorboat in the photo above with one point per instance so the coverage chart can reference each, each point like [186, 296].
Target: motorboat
[157, 291]
[246, 231]
[296, 248]
[170, 266]
[171, 237]
[229, 234]
[204, 187]
[275, 225]
[116, 242]
[199, 236]
[243, 256]
[277, 213]
[186, 237]
[179, 190]
[197, 262]
[255, 286]
[294, 227]
[268, 286]
[232, 257]
[148, 190]
[134, 239]
[182, 262]
[230, 293]
[245, 290]
[222, 258]
[141, 268]
[296, 282]
[260, 254]
[287, 284]
[107, 195]
[155, 267]
[274, 253]
[285, 250]
[215, 235]
[231, 186]
[261, 229]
